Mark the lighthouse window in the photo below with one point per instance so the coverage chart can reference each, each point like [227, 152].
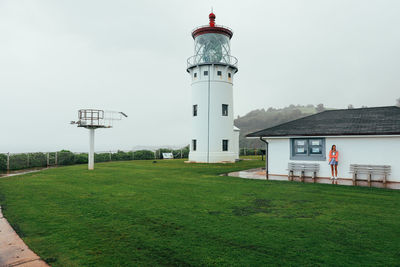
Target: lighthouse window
[219, 73]
[206, 73]
[229, 75]
[194, 144]
[224, 145]
[224, 110]
[194, 110]
[195, 75]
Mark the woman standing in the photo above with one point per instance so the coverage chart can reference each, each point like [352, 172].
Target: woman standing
[333, 161]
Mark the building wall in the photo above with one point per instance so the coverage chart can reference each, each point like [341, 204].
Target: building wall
[209, 127]
[236, 134]
[352, 150]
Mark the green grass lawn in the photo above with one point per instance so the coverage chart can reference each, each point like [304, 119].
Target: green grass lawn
[255, 157]
[171, 213]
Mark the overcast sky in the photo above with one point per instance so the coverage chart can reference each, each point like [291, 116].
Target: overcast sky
[59, 56]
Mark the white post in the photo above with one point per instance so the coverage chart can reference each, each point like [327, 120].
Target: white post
[91, 149]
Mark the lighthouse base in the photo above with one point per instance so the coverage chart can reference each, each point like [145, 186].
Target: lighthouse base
[212, 157]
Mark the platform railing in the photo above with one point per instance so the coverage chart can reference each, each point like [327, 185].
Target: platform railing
[201, 60]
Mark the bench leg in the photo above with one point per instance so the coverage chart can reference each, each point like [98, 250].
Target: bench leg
[314, 176]
[354, 179]
[384, 181]
[302, 176]
[289, 175]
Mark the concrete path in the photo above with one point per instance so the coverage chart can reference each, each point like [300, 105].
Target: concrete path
[258, 173]
[13, 251]
[20, 172]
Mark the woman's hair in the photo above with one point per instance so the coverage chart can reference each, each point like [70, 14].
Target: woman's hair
[333, 146]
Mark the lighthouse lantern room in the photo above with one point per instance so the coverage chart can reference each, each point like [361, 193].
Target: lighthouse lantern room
[214, 137]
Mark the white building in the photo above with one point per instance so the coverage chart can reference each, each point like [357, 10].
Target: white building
[367, 136]
[214, 138]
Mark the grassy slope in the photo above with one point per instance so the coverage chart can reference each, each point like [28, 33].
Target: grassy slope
[171, 213]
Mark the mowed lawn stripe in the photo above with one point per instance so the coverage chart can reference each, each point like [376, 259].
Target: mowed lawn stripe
[172, 213]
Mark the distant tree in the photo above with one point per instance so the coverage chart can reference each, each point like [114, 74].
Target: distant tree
[364, 106]
[398, 102]
[320, 108]
[350, 106]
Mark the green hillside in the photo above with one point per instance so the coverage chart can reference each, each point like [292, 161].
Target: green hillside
[260, 119]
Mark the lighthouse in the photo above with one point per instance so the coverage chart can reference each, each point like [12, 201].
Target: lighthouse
[212, 69]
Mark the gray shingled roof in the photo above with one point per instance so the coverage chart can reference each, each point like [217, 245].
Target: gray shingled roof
[358, 121]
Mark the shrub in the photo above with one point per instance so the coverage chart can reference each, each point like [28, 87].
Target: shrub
[101, 157]
[3, 163]
[121, 155]
[81, 158]
[37, 160]
[143, 154]
[65, 157]
[18, 161]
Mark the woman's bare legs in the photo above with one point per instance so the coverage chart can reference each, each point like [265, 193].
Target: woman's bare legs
[336, 174]
[333, 174]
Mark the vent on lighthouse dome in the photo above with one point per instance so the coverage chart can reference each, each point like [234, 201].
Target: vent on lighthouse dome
[212, 19]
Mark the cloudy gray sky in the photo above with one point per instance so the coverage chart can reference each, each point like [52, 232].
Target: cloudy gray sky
[59, 56]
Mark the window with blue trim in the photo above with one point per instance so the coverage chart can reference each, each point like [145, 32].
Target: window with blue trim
[307, 149]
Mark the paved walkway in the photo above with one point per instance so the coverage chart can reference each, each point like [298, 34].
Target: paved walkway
[20, 172]
[13, 251]
[258, 173]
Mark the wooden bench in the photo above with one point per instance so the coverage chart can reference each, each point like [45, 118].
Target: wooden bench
[370, 170]
[302, 168]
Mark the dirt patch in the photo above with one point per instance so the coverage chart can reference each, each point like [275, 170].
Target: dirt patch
[286, 209]
[258, 206]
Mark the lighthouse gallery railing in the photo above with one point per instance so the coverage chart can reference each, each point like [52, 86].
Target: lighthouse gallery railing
[202, 59]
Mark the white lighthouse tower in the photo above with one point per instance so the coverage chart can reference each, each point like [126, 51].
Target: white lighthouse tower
[214, 137]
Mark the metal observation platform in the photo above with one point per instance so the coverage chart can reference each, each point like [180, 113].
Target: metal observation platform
[212, 46]
[93, 119]
[97, 118]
